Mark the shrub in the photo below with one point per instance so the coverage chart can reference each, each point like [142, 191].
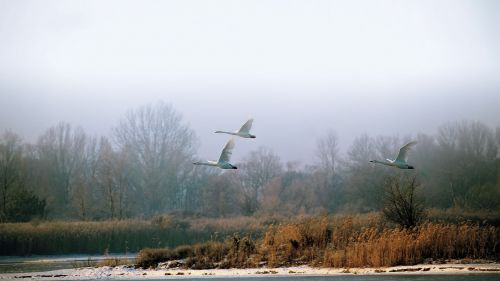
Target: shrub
[151, 257]
[402, 204]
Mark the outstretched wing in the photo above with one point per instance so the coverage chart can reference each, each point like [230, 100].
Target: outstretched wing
[403, 152]
[246, 127]
[225, 156]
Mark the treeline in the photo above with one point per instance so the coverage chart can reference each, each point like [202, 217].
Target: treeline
[144, 168]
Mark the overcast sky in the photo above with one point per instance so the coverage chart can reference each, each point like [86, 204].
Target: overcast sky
[300, 68]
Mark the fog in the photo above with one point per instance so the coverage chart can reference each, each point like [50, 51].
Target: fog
[300, 68]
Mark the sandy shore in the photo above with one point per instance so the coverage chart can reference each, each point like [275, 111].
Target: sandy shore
[127, 272]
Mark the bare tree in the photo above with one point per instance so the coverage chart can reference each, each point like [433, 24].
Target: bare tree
[10, 165]
[467, 159]
[84, 188]
[402, 205]
[325, 174]
[497, 137]
[161, 150]
[113, 179]
[290, 194]
[123, 181]
[361, 179]
[327, 152]
[106, 176]
[61, 152]
[259, 168]
[271, 197]
[220, 196]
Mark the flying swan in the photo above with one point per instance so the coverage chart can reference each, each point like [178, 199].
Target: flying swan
[243, 132]
[223, 162]
[400, 161]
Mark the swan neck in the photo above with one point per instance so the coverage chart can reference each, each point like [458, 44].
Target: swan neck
[206, 163]
[382, 162]
[224, 132]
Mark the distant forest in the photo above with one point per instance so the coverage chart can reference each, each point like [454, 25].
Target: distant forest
[144, 168]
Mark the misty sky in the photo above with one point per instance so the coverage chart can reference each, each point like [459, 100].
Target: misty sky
[300, 68]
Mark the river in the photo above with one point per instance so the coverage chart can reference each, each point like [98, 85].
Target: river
[46, 263]
[10, 264]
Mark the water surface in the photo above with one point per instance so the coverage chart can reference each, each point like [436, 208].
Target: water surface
[46, 263]
[11, 264]
[437, 277]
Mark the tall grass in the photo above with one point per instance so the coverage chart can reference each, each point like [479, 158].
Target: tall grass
[411, 246]
[334, 241]
[456, 215]
[63, 237]
[344, 241]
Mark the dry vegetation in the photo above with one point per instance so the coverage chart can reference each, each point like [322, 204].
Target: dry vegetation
[336, 241]
[391, 247]
[456, 215]
[62, 237]
[352, 241]
[114, 261]
[235, 251]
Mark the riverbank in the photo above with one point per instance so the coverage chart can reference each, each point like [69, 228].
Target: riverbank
[318, 242]
[129, 272]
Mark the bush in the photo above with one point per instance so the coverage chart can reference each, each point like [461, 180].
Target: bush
[151, 257]
[24, 205]
[402, 205]
[233, 252]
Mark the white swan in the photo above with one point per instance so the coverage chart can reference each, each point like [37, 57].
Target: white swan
[243, 132]
[400, 161]
[224, 158]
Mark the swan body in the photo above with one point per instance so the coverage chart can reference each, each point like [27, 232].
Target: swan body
[243, 132]
[225, 156]
[400, 161]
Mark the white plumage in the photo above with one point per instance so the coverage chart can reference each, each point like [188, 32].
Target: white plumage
[224, 158]
[243, 132]
[400, 161]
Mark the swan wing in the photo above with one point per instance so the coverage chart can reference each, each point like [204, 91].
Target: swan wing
[246, 127]
[403, 151]
[225, 156]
